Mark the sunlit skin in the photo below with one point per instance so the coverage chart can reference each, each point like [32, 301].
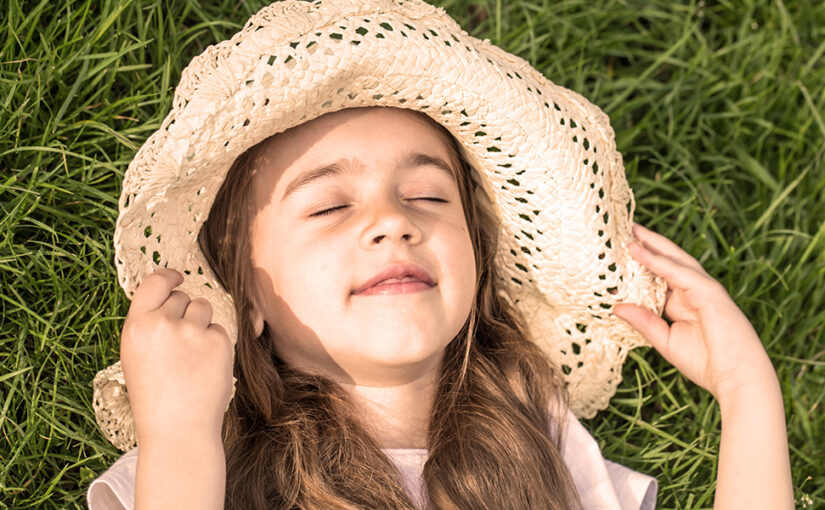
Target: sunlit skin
[385, 347]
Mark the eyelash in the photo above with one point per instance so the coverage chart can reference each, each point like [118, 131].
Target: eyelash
[333, 209]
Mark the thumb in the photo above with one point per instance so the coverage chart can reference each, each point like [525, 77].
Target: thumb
[650, 325]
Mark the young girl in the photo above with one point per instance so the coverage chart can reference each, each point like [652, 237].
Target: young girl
[379, 360]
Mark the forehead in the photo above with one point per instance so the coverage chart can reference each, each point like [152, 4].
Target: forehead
[375, 136]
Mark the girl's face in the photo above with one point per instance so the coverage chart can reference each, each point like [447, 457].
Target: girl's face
[384, 207]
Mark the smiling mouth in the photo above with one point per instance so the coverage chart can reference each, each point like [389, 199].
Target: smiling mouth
[404, 285]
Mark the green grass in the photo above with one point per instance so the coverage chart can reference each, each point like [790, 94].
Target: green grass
[718, 108]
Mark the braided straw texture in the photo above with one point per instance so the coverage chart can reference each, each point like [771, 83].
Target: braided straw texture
[544, 155]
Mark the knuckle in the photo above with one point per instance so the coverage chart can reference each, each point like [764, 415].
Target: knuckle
[165, 325]
[214, 332]
[190, 329]
[179, 294]
[715, 286]
[134, 325]
[203, 302]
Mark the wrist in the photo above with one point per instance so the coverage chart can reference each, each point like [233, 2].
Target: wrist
[186, 469]
[759, 389]
[181, 439]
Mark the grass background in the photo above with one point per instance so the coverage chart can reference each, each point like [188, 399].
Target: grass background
[718, 109]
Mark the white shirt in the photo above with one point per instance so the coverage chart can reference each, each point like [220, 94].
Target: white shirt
[602, 484]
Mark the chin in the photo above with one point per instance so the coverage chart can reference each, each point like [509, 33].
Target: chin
[401, 351]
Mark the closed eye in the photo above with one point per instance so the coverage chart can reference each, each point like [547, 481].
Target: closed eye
[333, 209]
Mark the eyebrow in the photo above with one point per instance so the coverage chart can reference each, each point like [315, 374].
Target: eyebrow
[408, 160]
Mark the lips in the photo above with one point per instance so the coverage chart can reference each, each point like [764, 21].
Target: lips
[398, 273]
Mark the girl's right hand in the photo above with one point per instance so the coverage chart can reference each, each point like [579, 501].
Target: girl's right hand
[177, 365]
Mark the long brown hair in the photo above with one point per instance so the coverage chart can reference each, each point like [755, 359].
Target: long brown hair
[292, 441]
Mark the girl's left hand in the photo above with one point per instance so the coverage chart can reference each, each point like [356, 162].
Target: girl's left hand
[710, 341]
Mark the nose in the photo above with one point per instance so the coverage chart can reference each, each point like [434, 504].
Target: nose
[390, 220]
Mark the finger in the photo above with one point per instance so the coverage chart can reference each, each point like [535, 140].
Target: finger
[199, 312]
[677, 275]
[221, 331]
[658, 243]
[152, 292]
[176, 304]
[650, 325]
[685, 355]
[214, 326]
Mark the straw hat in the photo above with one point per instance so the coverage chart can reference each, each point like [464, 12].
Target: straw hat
[545, 156]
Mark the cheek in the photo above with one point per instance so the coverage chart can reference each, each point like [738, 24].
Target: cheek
[276, 263]
[311, 272]
[470, 264]
[461, 259]
[297, 283]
